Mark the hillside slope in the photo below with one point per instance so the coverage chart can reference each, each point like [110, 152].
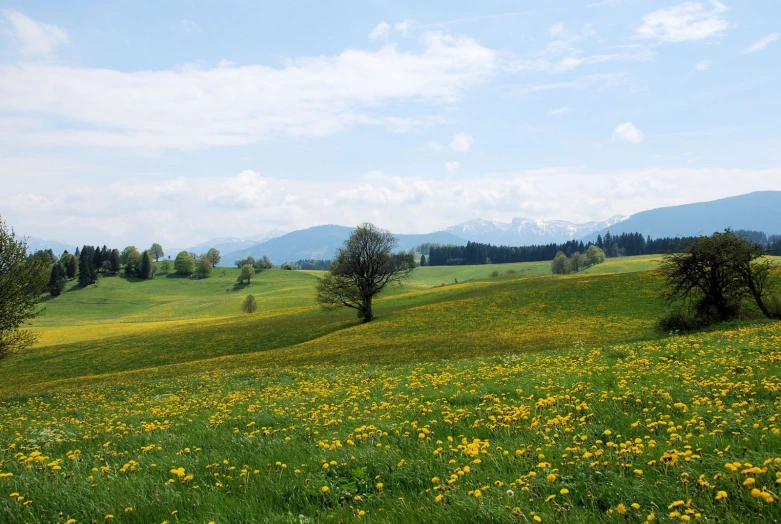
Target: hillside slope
[759, 211]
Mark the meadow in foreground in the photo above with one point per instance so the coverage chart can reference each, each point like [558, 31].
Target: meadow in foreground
[677, 429]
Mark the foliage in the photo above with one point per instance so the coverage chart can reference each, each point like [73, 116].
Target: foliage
[58, 279]
[716, 273]
[213, 256]
[157, 251]
[682, 320]
[22, 280]
[626, 244]
[250, 305]
[165, 266]
[246, 273]
[309, 264]
[184, 264]
[205, 265]
[131, 258]
[147, 269]
[361, 269]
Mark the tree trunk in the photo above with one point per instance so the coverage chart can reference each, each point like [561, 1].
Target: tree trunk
[366, 309]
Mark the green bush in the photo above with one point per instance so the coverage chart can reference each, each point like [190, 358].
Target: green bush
[682, 320]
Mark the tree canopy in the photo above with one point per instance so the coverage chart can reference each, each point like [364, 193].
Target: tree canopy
[22, 280]
[716, 273]
[361, 269]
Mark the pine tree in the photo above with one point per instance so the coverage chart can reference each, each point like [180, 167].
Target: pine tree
[72, 268]
[146, 265]
[422, 260]
[57, 280]
[85, 272]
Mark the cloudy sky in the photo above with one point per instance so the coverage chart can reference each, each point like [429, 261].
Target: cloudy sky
[181, 121]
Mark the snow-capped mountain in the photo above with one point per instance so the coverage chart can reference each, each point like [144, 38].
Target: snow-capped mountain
[229, 244]
[527, 231]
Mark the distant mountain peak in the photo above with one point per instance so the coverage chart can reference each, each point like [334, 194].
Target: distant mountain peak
[525, 231]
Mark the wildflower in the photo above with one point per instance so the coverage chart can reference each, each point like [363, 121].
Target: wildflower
[324, 489]
[380, 485]
[621, 509]
[510, 493]
[438, 498]
[721, 495]
[564, 491]
[651, 516]
[756, 492]
[749, 481]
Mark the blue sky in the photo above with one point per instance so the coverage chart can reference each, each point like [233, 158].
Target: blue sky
[180, 121]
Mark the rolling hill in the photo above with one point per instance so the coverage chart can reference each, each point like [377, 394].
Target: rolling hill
[759, 211]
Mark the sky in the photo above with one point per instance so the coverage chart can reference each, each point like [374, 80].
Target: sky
[180, 121]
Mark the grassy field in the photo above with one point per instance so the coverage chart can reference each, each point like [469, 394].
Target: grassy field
[523, 397]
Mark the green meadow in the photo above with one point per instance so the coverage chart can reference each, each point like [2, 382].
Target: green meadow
[511, 397]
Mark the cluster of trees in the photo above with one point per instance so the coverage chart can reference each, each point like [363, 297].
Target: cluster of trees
[320, 265]
[625, 244]
[713, 277]
[188, 264]
[562, 264]
[260, 263]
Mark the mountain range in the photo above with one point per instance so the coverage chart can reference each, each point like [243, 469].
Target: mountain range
[231, 244]
[759, 211]
[527, 231]
[320, 242]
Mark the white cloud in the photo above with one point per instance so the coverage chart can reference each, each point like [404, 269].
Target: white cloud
[564, 53]
[34, 38]
[462, 143]
[380, 31]
[762, 43]
[703, 65]
[108, 212]
[627, 132]
[556, 29]
[194, 107]
[601, 81]
[684, 22]
[559, 111]
[188, 27]
[452, 167]
[404, 26]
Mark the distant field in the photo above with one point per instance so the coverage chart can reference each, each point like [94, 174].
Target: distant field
[190, 321]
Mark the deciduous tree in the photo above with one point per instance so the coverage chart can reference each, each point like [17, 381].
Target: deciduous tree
[361, 269]
[213, 256]
[184, 264]
[247, 272]
[156, 251]
[22, 279]
[250, 305]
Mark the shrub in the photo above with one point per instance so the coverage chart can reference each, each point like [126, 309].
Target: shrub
[494, 274]
[683, 320]
[250, 305]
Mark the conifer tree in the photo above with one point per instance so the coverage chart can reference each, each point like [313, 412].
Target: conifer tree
[145, 271]
[57, 280]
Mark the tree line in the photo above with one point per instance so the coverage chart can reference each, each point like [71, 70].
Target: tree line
[624, 244]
